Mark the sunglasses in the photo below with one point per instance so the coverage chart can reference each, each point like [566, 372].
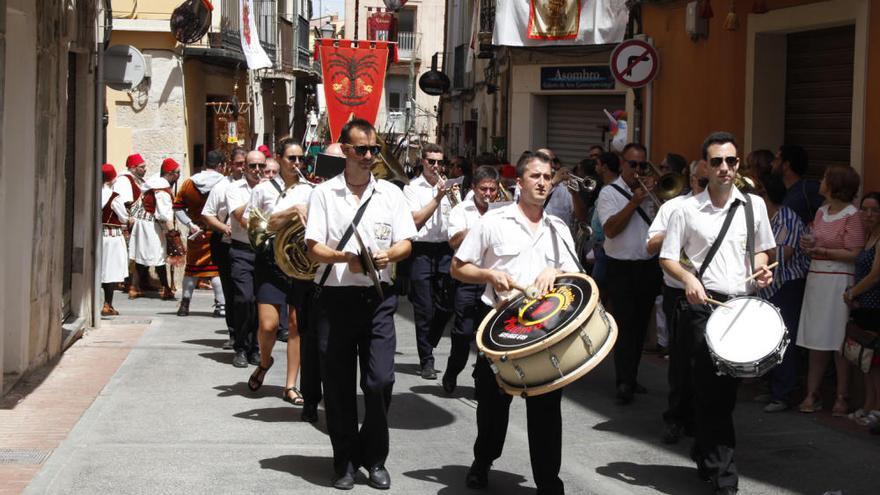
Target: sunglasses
[639, 165]
[363, 149]
[432, 161]
[255, 165]
[296, 158]
[715, 161]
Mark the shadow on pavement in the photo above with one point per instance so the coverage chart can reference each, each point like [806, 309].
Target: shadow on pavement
[664, 479]
[215, 343]
[410, 411]
[272, 414]
[241, 389]
[408, 369]
[452, 479]
[315, 470]
[437, 391]
[220, 357]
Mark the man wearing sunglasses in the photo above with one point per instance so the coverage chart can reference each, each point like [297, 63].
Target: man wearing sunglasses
[633, 275]
[431, 288]
[693, 229]
[353, 319]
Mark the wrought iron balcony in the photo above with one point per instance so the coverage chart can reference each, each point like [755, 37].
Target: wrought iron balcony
[265, 18]
[487, 16]
[407, 43]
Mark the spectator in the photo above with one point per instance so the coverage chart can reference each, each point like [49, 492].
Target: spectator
[787, 290]
[673, 163]
[759, 163]
[802, 195]
[864, 300]
[836, 239]
[596, 151]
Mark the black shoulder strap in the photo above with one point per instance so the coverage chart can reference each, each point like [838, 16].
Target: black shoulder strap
[718, 240]
[558, 238]
[639, 209]
[750, 233]
[277, 187]
[345, 237]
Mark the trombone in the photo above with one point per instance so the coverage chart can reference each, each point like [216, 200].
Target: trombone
[669, 185]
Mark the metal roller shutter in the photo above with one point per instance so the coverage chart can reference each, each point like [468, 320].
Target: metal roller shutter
[818, 94]
[575, 122]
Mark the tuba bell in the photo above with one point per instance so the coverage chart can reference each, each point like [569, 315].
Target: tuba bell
[291, 251]
[258, 229]
[386, 166]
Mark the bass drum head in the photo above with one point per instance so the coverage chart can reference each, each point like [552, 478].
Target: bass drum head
[523, 322]
[745, 332]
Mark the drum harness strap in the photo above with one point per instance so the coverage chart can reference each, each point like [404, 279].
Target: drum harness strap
[639, 209]
[345, 237]
[750, 236]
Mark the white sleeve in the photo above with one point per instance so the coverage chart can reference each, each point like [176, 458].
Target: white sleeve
[211, 205]
[316, 227]
[403, 225]
[457, 221]
[764, 238]
[606, 207]
[411, 198]
[674, 240]
[256, 201]
[658, 226]
[164, 209]
[236, 198]
[473, 245]
[118, 207]
[122, 187]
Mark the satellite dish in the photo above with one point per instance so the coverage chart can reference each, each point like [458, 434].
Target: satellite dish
[124, 67]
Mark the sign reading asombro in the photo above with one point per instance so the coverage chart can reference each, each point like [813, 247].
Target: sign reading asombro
[580, 77]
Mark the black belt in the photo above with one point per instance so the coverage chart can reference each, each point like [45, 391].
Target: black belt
[719, 296]
[441, 246]
[355, 289]
[242, 245]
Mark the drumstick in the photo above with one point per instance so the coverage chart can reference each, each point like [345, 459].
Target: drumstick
[755, 275]
[717, 303]
[531, 291]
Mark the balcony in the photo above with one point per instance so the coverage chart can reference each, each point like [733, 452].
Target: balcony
[265, 18]
[407, 46]
[487, 16]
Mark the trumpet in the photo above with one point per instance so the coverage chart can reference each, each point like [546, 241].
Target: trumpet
[577, 184]
[451, 193]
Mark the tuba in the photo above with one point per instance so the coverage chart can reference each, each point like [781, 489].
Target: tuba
[291, 251]
[258, 229]
[386, 166]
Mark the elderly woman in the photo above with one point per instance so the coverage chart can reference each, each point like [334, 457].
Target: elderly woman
[837, 238]
[864, 300]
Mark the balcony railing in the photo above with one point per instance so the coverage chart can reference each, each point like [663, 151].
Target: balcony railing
[265, 18]
[304, 59]
[487, 16]
[288, 47]
[406, 45]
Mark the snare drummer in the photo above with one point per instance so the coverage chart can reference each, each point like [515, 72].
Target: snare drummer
[693, 228]
[517, 244]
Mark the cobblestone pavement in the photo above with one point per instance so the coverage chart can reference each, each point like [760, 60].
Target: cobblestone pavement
[176, 417]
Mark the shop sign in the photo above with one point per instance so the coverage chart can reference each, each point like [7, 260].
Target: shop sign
[580, 77]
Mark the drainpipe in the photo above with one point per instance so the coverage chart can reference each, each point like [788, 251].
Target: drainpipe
[100, 157]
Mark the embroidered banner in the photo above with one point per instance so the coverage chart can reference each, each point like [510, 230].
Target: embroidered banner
[250, 41]
[559, 22]
[382, 26]
[354, 77]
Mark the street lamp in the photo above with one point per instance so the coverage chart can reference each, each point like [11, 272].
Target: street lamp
[327, 30]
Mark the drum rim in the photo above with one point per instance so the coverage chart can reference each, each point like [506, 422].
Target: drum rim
[718, 356]
[577, 323]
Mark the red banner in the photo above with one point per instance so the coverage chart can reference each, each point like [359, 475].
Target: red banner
[382, 26]
[354, 77]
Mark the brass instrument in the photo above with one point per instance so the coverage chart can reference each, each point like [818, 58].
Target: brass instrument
[451, 193]
[744, 183]
[669, 185]
[578, 184]
[258, 229]
[503, 194]
[386, 166]
[291, 251]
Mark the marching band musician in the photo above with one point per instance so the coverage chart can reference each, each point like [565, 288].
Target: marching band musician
[519, 243]
[242, 256]
[188, 207]
[694, 228]
[430, 284]
[114, 255]
[462, 219]
[274, 289]
[352, 321]
[147, 244]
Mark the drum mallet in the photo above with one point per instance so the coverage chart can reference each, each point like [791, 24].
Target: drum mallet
[530, 292]
[757, 273]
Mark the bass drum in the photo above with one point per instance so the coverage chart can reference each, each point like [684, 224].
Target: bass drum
[539, 345]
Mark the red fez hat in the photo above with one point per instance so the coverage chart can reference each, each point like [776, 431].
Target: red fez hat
[169, 165]
[265, 150]
[508, 171]
[108, 171]
[134, 160]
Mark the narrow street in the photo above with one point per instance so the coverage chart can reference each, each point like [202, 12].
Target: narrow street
[176, 417]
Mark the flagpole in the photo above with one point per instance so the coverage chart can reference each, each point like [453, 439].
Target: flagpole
[357, 7]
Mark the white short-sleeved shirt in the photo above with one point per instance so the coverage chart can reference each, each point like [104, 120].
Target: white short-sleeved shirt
[332, 208]
[215, 205]
[238, 194]
[463, 217]
[658, 226]
[266, 197]
[419, 193]
[502, 240]
[298, 195]
[694, 226]
[629, 244]
[124, 188]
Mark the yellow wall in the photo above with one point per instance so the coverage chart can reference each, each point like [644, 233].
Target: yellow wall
[701, 85]
[147, 9]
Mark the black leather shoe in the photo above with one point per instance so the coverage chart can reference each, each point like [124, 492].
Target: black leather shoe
[624, 394]
[671, 433]
[254, 358]
[183, 309]
[449, 383]
[428, 372]
[379, 478]
[309, 413]
[344, 482]
[640, 389]
[477, 476]
[228, 344]
[240, 360]
[282, 335]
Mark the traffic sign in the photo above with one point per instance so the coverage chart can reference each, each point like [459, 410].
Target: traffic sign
[634, 63]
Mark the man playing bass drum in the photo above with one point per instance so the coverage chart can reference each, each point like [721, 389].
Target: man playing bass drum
[516, 245]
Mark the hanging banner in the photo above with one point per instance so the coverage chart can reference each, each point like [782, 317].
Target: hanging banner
[250, 41]
[382, 26]
[560, 22]
[354, 78]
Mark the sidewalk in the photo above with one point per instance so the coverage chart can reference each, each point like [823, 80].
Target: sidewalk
[178, 418]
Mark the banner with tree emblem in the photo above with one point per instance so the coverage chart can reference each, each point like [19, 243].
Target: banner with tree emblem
[354, 78]
[250, 41]
[559, 22]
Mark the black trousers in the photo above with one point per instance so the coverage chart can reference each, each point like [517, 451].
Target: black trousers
[430, 293]
[354, 328]
[789, 299]
[680, 371]
[633, 286]
[543, 417]
[309, 358]
[220, 255]
[245, 309]
[468, 315]
[715, 399]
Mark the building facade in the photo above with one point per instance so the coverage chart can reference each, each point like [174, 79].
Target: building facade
[49, 183]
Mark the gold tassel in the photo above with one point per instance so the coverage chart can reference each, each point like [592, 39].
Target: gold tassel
[731, 23]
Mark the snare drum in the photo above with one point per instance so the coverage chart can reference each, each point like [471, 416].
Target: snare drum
[539, 345]
[747, 338]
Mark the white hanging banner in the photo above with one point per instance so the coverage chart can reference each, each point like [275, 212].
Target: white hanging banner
[562, 22]
[250, 41]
